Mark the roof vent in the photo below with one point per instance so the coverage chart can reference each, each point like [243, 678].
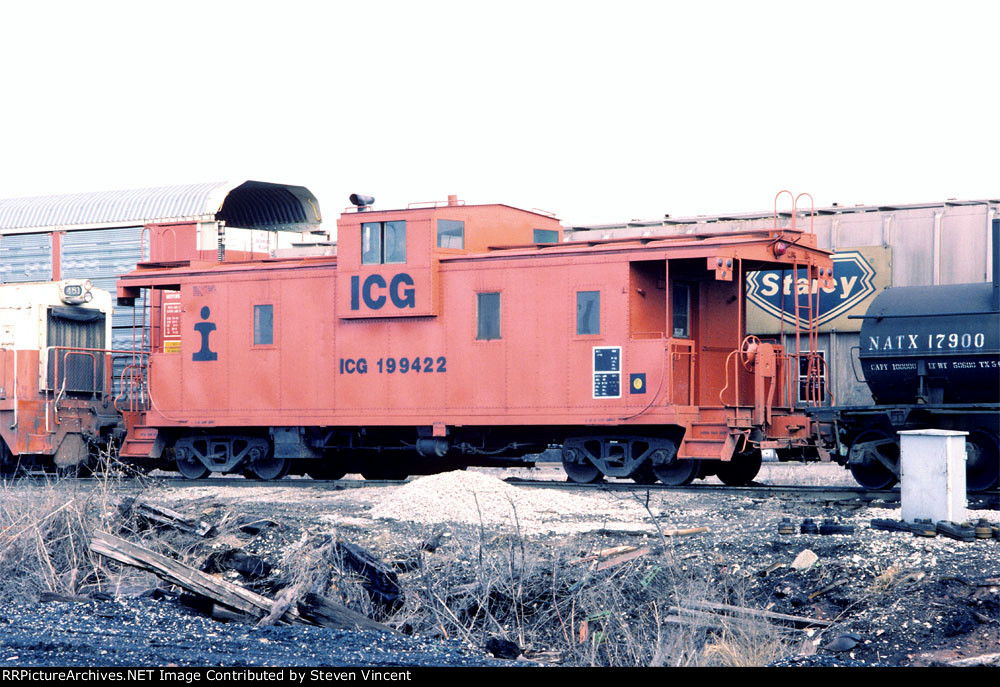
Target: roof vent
[361, 202]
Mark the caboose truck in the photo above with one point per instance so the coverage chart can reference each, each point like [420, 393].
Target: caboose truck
[56, 404]
[445, 335]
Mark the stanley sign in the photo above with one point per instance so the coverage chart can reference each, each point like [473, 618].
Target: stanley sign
[859, 274]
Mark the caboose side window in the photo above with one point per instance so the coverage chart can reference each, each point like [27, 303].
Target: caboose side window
[487, 316]
[544, 236]
[383, 243]
[263, 325]
[588, 312]
[451, 233]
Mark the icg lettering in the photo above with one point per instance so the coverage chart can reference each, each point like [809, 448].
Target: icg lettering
[402, 365]
[372, 291]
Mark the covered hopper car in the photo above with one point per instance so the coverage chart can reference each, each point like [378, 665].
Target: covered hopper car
[446, 335]
[930, 356]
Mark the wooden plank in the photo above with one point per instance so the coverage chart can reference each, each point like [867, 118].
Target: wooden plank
[798, 621]
[621, 558]
[171, 518]
[315, 609]
[322, 611]
[219, 590]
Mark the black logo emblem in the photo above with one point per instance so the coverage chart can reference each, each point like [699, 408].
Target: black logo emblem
[205, 329]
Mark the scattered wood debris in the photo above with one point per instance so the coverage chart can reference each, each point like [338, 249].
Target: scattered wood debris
[160, 515]
[797, 621]
[326, 613]
[248, 566]
[828, 588]
[380, 580]
[313, 609]
[603, 553]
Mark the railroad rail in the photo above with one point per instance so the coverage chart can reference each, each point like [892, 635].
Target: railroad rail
[830, 494]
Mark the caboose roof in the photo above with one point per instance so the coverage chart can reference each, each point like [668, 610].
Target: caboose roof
[427, 207]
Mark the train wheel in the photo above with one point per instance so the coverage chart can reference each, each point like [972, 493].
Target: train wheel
[191, 468]
[9, 465]
[322, 469]
[382, 475]
[677, 472]
[644, 474]
[579, 471]
[874, 459]
[740, 471]
[270, 468]
[982, 470]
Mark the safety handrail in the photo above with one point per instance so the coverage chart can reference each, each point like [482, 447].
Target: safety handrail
[787, 379]
[795, 208]
[68, 351]
[136, 387]
[725, 386]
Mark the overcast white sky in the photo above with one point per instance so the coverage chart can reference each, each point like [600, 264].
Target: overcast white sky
[597, 111]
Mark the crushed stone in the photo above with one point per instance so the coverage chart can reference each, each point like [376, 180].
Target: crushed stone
[477, 499]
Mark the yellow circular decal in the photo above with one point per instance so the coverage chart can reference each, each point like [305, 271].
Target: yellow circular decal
[637, 382]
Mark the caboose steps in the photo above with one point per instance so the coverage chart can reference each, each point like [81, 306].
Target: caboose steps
[706, 449]
[714, 443]
[141, 442]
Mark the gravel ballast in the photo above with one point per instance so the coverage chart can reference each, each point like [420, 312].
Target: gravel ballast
[908, 600]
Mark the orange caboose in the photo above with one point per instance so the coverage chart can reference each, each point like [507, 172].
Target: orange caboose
[447, 335]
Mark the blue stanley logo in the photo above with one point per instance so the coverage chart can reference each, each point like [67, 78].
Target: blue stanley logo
[205, 329]
[775, 291]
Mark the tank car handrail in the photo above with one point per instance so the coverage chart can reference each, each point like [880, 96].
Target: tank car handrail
[854, 369]
[910, 316]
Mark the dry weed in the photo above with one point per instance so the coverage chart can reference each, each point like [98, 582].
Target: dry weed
[45, 530]
[542, 597]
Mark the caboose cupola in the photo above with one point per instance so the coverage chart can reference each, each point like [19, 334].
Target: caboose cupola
[388, 260]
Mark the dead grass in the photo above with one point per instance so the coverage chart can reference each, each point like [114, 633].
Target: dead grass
[45, 530]
[548, 598]
[551, 597]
